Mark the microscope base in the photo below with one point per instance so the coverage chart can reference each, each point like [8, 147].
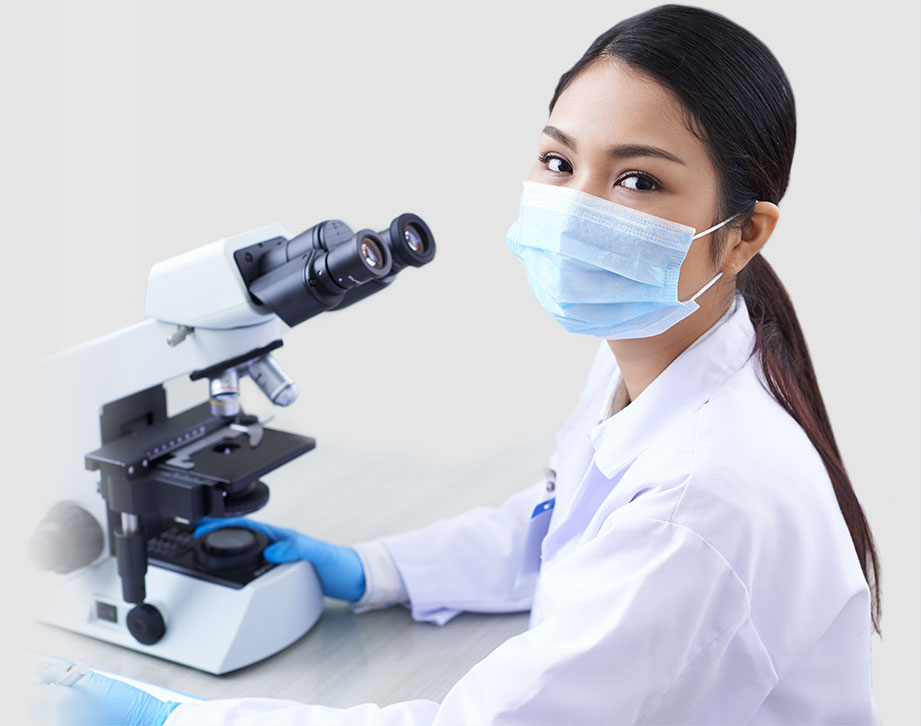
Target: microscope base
[210, 627]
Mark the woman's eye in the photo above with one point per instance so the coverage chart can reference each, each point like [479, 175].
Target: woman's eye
[639, 183]
[556, 164]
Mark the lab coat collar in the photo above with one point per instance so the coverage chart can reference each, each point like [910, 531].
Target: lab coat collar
[683, 387]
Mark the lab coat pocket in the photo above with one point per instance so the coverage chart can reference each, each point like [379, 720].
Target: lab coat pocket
[537, 529]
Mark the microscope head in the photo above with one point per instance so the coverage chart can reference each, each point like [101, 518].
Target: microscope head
[243, 284]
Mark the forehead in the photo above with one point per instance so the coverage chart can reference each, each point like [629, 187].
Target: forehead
[610, 103]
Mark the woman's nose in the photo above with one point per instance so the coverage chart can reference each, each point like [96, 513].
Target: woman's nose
[592, 183]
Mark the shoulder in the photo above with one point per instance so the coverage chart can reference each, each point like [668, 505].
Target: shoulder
[752, 458]
[759, 493]
[754, 477]
[738, 457]
[743, 434]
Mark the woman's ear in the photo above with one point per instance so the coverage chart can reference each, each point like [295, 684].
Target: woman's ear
[753, 237]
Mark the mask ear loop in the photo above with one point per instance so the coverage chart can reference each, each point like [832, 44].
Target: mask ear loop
[715, 227]
[704, 288]
[718, 274]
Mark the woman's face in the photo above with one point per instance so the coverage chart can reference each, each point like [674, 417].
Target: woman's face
[619, 135]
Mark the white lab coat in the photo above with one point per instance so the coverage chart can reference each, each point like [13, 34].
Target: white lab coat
[696, 570]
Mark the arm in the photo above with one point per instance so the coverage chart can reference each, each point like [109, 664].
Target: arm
[644, 624]
[368, 575]
[468, 562]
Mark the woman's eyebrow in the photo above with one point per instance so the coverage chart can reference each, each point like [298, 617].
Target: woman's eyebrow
[621, 151]
[554, 133]
[625, 151]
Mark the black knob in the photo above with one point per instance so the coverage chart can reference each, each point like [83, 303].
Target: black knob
[146, 624]
[230, 548]
[68, 537]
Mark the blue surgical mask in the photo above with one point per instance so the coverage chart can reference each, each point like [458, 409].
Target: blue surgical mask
[601, 268]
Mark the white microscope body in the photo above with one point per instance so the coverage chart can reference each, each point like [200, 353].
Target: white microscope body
[127, 554]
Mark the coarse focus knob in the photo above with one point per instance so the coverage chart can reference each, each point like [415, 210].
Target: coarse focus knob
[230, 548]
[146, 624]
[68, 537]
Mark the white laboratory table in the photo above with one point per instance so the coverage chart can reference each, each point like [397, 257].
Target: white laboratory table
[383, 656]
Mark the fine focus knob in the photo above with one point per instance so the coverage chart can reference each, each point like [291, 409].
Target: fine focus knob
[68, 537]
[230, 548]
[146, 624]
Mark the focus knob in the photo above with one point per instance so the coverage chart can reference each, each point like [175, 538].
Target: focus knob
[230, 548]
[146, 624]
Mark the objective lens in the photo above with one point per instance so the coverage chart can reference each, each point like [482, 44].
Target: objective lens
[272, 380]
[372, 253]
[225, 393]
[413, 238]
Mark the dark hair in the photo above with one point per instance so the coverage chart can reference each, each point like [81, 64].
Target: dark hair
[740, 104]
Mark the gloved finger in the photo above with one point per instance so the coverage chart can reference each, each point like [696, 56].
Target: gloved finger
[210, 524]
[302, 547]
[285, 550]
[320, 553]
[205, 520]
[207, 524]
[52, 671]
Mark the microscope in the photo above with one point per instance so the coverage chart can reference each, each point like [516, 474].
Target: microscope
[125, 567]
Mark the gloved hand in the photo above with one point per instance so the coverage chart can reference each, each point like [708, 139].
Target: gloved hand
[341, 573]
[94, 700]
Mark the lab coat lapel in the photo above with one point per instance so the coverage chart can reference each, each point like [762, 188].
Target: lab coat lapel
[680, 389]
[600, 457]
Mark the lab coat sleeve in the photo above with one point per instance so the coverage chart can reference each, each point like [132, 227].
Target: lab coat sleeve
[468, 562]
[383, 585]
[646, 623]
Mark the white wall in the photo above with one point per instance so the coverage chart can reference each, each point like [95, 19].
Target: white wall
[145, 129]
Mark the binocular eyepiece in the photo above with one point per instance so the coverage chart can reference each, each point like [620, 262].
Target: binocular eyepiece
[410, 241]
[328, 266]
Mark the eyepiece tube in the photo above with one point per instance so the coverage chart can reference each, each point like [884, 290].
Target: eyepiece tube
[322, 237]
[329, 267]
[369, 288]
[410, 241]
[317, 281]
[364, 257]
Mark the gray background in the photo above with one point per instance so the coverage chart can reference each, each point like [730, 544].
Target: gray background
[140, 130]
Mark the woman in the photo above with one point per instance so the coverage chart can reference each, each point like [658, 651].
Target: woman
[696, 553]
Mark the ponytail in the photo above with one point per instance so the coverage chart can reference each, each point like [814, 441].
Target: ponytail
[740, 105]
[791, 380]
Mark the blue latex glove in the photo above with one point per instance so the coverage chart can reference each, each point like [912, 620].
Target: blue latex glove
[341, 573]
[94, 700]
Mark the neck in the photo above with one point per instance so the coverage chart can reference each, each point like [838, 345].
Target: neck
[641, 360]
